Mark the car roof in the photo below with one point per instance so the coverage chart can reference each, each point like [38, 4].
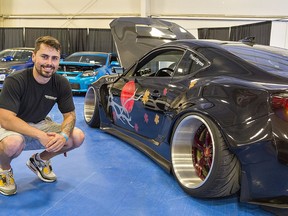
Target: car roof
[221, 44]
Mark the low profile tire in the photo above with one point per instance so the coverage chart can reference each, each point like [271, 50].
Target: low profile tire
[91, 108]
[201, 161]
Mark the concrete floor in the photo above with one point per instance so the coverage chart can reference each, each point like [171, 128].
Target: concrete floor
[107, 177]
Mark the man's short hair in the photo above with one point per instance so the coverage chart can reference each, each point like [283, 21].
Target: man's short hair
[49, 41]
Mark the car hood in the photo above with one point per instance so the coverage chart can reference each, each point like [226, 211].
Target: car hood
[134, 36]
[78, 63]
[79, 67]
[11, 63]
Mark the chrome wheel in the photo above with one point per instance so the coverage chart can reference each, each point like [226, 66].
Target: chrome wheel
[91, 110]
[201, 160]
[192, 151]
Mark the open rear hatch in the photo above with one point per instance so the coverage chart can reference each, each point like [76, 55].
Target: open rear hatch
[134, 36]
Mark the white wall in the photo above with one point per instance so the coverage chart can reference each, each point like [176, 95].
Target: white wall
[221, 8]
[191, 14]
[65, 13]
[279, 34]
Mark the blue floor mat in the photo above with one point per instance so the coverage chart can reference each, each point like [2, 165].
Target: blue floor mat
[107, 177]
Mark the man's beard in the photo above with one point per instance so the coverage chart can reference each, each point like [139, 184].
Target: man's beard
[42, 73]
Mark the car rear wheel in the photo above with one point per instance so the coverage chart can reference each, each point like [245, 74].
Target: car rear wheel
[91, 109]
[201, 161]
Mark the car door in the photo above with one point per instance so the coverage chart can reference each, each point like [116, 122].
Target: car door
[138, 100]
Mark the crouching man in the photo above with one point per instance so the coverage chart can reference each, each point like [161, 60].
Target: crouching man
[25, 101]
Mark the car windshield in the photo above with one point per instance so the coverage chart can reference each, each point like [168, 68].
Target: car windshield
[270, 59]
[96, 59]
[16, 55]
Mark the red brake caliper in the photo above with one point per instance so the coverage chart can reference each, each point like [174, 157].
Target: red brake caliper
[201, 153]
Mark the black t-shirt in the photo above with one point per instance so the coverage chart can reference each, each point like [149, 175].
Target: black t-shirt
[32, 101]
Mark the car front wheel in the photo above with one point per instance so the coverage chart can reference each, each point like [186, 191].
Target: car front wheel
[201, 161]
[91, 109]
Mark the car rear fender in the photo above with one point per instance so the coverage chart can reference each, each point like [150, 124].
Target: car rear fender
[254, 130]
[190, 108]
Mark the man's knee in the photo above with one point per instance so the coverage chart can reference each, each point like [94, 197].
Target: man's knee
[78, 137]
[12, 145]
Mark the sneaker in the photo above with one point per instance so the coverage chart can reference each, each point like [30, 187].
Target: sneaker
[42, 169]
[7, 183]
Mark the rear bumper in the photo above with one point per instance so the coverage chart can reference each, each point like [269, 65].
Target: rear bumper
[280, 132]
[264, 177]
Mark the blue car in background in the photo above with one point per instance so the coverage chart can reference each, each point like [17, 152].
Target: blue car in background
[14, 59]
[83, 68]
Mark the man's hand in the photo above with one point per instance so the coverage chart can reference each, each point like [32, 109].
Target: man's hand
[56, 142]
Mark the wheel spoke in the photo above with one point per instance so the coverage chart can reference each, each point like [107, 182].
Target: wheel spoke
[198, 144]
[202, 152]
[202, 164]
[207, 138]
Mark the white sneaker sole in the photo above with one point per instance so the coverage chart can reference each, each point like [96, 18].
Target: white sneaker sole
[31, 167]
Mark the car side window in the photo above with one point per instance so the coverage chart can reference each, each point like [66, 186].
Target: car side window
[261, 58]
[26, 55]
[191, 63]
[162, 64]
[73, 58]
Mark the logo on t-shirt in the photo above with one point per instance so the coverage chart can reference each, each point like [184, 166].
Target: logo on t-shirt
[50, 97]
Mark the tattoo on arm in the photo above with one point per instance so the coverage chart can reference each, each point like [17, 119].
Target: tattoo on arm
[68, 123]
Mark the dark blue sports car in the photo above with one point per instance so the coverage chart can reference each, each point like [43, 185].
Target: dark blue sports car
[212, 113]
[84, 68]
[14, 59]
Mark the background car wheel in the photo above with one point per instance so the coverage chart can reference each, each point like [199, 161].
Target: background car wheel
[201, 161]
[91, 109]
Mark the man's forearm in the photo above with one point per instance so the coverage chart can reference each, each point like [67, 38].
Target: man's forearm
[68, 123]
[10, 121]
[20, 126]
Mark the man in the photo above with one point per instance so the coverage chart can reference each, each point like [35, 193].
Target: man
[26, 99]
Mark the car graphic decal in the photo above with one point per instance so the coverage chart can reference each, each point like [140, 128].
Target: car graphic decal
[146, 118]
[165, 91]
[146, 96]
[193, 83]
[127, 95]
[119, 112]
[127, 100]
[136, 127]
[156, 119]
